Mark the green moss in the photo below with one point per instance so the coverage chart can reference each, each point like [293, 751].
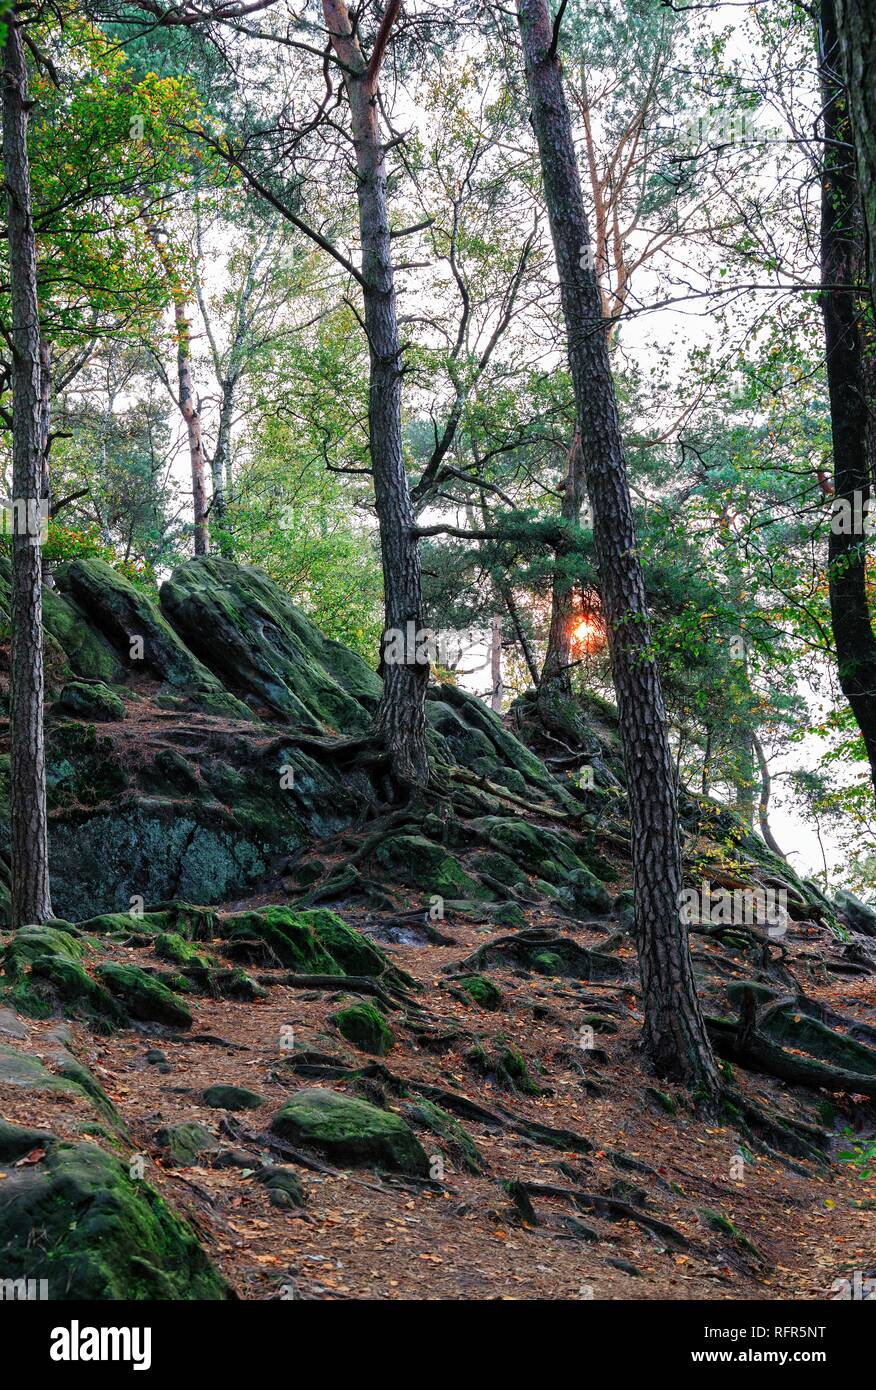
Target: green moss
[290, 936]
[80, 1222]
[416, 861]
[91, 701]
[247, 628]
[462, 1147]
[482, 991]
[365, 1027]
[184, 1144]
[170, 946]
[349, 1130]
[143, 997]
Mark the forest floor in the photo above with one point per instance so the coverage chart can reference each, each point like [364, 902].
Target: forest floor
[667, 1206]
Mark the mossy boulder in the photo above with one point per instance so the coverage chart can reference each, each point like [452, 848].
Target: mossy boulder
[248, 630]
[283, 1185]
[91, 701]
[55, 984]
[365, 1027]
[549, 856]
[349, 949]
[144, 997]
[421, 864]
[484, 993]
[34, 943]
[141, 636]
[172, 947]
[349, 1131]
[79, 1221]
[185, 1144]
[289, 937]
[220, 1097]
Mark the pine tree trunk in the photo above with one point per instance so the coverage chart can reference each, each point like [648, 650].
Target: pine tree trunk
[31, 900]
[674, 1037]
[850, 381]
[401, 718]
[856, 26]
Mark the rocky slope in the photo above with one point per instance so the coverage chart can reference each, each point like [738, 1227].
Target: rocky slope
[287, 1039]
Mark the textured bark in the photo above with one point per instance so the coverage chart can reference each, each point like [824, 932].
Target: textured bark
[856, 26]
[401, 718]
[674, 1036]
[850, 381]
[31, 900]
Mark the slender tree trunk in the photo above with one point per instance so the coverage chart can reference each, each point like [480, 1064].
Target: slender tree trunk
[189, 410]
[763, 805]
[555, 685]
[856, 26]
[401, 717]
[849, 375]
[31, 900]
[186, 398]
[220, 468]
[496, 665]
[675, 1038]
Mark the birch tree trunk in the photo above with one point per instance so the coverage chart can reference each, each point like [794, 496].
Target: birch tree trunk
[401, 717]
[186, 399]
[674, 1035]
[31, 900]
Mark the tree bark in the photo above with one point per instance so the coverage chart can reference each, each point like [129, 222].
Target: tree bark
[856, 30]
[31, 899]
[401, 717]
[850, 380]
[674, 1036]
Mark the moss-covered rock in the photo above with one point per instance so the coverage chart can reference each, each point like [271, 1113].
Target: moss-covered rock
[81, 1223]
[92, 701]
[170, 946]
[221, 1097]
[283, 1185]
[185, 1144]
[131, 621]
[421, 864]
[365, 1027]
[349, 1130]
[247, 629]
[481, 990]
[290, 938]
[144, 997]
